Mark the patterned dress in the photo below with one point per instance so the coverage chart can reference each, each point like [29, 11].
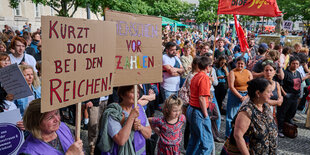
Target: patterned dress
[263, 131]
[170, 135]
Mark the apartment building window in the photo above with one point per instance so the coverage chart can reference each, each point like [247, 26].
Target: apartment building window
[37, 10]
[17, 11]
[52, 11]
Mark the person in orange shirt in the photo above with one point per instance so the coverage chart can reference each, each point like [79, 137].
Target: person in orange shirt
[201, 140]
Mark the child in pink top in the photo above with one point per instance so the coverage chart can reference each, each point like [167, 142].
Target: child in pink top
[168, 127]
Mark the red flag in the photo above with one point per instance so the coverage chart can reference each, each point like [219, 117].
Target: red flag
[242, 40]
[268, 8]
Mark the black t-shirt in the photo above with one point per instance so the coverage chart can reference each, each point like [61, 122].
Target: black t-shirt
[258, 67]
[292, 82]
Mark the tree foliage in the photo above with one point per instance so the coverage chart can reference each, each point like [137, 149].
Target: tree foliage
[62, 7]
[206, 11]
[167, 8]
[297, 10]
[132, 6]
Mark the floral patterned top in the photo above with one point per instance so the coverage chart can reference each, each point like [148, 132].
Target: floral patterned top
[263, 131]
[170, 134]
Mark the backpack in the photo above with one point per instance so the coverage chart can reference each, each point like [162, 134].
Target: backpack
[184, 92]
[252, 62]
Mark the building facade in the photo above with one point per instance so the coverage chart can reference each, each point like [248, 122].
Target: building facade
[28, 12]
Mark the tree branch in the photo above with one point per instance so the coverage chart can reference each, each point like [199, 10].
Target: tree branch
[75, 9]
[54, 9]
[72, 4]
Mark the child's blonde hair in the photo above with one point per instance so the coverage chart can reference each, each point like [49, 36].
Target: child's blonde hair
[169, 103]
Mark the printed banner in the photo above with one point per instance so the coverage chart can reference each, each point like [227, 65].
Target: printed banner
[138, 57]
[78, 60]
[11, 138]
[288, 25]
[268, 8]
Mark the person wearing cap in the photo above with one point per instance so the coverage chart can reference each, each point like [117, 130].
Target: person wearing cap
[25, 29]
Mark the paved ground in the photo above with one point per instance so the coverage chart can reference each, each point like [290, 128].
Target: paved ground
[298, 146]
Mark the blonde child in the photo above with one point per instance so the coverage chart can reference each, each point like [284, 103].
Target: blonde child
[168, 127]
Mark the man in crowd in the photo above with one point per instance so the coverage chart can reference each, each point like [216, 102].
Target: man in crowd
[19, 56]
[221, 49]
[253, 48]
[172, 70]
[205, 49]
[29, 50]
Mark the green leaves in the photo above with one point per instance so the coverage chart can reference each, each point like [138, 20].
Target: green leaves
[296, 10]
[207, 11]
[167, 8]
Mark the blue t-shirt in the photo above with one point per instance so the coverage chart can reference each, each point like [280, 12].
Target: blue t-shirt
[246, 56]
[221, 72]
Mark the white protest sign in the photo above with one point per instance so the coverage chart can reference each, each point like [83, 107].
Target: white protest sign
[11, 138]
[288, 25]
[13, 82]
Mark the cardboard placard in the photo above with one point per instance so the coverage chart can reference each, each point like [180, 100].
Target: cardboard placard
[288, 25]
[11, 138]
[77, 60]
[13, 82]
[138, 48]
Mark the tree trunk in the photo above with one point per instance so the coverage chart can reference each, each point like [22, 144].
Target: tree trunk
[64, 9]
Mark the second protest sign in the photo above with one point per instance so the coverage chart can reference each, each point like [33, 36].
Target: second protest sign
[138, 56]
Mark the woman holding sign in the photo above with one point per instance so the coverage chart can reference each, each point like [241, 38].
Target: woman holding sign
[34, 84]
[124, 127]
[48, 135]
[5, 99]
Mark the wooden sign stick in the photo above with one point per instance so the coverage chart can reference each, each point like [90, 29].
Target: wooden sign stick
[78, 121]
[136, 94]
[215, 35]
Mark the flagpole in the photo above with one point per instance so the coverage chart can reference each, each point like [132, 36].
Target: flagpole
[217, 21]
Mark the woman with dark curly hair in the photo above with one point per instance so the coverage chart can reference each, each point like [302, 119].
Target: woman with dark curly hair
[254, 130]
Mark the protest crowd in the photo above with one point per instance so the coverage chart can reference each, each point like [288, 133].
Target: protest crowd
[257, 91]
